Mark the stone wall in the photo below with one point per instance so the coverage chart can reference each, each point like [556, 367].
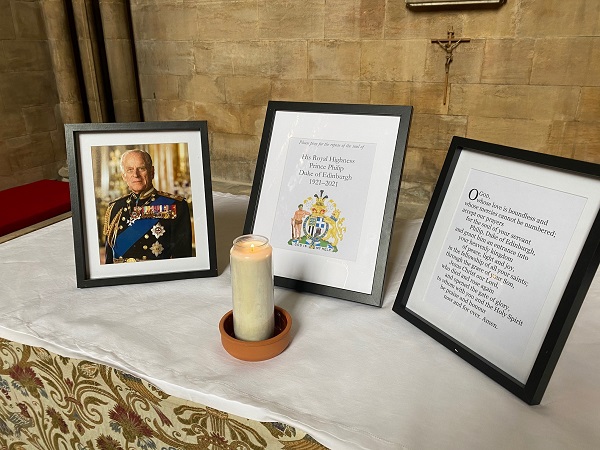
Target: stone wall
[529, 77]
[31, 133]
[40, 88]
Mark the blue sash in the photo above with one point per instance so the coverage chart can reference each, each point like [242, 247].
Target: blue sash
[136, 230]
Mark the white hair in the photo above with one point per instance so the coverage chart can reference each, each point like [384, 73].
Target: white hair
[145, 155]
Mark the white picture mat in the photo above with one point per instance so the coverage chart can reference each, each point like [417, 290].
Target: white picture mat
[518, 365]
[382, 131]
[201, 261]
[308, 172]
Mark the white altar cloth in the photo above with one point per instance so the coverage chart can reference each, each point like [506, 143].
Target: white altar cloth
[354, 376]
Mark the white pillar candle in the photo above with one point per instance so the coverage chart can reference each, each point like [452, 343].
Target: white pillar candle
[252, 288]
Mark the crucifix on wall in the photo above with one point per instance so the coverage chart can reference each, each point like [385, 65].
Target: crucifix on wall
[448, 44]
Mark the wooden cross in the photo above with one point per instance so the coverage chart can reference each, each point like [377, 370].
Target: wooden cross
[448, 44]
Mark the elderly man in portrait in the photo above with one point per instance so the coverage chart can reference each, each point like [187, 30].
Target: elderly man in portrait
[145, 224]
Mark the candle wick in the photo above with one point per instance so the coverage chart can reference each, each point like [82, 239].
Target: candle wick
[251, 247]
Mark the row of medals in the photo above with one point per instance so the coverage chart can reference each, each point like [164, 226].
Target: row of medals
[155, 212]
[149, 211]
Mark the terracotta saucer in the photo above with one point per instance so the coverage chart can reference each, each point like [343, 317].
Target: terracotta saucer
[257, 350]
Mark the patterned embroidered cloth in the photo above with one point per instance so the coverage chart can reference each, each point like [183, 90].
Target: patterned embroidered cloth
[48, 401]
[353, 377]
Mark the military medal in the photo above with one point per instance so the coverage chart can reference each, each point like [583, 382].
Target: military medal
[159, 212]
[158, 230]
[134, 215]
[157, 248]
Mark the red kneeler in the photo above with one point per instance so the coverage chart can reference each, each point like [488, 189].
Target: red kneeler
[26, 205]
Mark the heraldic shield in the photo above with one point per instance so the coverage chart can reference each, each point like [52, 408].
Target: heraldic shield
[317, 224]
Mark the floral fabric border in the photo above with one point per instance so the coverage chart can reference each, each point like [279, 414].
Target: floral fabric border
[51, 402]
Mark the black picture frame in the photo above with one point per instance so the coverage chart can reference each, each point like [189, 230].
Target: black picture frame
[369, 142]
[427, 300]
[181, 169]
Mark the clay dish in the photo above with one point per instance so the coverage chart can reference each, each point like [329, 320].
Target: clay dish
[257, 350]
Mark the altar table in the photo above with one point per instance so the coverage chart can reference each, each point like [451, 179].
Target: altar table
[353, 377]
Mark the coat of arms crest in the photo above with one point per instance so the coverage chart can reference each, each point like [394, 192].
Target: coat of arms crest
[317, 224]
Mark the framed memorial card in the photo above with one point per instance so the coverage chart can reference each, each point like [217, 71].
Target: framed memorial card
[504, 259]
[141, 198]
[324, 193]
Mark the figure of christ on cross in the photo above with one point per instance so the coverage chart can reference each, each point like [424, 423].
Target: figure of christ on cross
[448, 45]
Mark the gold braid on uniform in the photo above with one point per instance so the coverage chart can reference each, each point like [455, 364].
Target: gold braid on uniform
[110, 230]
[179, 198]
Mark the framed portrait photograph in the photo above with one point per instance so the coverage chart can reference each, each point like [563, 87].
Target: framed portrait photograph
[141, 198]
[503, 261]
[324, 193]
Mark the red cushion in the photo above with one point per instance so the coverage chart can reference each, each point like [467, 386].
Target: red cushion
[32, 203]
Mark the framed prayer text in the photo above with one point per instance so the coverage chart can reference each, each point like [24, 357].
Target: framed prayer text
[141, 198]
[325, 189]
[504, 258]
